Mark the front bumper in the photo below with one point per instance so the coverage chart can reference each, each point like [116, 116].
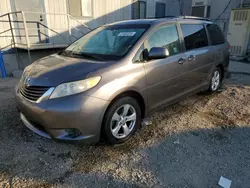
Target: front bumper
[54, 117]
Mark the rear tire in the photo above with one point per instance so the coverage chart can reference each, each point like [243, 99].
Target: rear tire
[121, 120]
[216, 80]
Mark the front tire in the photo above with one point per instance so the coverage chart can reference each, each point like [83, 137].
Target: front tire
[216, 80]
[121, 120]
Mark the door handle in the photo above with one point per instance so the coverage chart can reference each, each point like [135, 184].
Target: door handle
[181, 61]
[191, 58]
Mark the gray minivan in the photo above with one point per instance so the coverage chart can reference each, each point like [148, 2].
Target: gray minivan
[103, 84]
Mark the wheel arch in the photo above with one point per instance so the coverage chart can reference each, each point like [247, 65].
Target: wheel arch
[133, 94]
[128, 93]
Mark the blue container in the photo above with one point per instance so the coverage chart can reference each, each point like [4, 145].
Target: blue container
[2, 67]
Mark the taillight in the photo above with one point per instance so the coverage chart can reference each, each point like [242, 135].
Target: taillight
[229, 48]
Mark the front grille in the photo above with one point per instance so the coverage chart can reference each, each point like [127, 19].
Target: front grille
[32, 93]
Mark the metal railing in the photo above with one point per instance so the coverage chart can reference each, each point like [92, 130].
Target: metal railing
[39, 30]
[10, 29]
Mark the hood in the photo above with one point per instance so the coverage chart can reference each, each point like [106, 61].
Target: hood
[55, 69]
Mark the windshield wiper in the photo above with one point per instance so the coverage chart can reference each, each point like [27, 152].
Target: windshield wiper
[89, 56]
[66, 53]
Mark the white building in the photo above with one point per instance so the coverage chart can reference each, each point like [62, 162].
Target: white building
[60, 21]
[40, 26]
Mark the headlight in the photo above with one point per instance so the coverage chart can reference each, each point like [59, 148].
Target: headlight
[26, 71]
[71, 88]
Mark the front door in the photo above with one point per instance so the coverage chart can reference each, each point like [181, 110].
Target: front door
[36, 21]
[165, 77]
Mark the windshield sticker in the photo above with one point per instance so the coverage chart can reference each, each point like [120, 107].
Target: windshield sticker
[126, 34]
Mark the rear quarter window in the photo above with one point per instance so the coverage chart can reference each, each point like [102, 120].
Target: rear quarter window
[215, 33]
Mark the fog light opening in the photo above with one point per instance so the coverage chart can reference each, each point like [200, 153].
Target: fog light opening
[73, 133]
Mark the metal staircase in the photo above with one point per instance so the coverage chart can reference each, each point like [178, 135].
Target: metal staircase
[39, 30]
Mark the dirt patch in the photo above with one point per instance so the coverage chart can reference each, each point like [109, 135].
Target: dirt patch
[223, 110]
[189, 143]
[5, 89]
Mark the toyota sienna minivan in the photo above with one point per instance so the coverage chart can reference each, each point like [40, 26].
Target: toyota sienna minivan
[105, 83]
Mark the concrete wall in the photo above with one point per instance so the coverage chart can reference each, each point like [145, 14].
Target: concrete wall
[10, 62]
[174, 8]
[218, 6]
[151, 7]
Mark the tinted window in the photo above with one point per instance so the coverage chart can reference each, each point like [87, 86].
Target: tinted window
[194, 36]
[166, 37]
[215, 34]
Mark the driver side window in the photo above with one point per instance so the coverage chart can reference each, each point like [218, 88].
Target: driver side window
[166, 37]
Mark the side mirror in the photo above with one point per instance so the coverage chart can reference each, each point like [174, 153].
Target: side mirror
[158, 53]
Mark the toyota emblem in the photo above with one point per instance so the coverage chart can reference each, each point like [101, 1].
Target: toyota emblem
[27, 81]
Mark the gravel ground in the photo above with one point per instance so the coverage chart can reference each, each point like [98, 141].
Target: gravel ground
[189, 144]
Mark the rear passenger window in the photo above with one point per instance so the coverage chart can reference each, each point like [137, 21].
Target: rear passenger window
[166, 37]
[194, 36]
[215, 34]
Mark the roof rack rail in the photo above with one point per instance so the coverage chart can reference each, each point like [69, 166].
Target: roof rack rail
[181, 17]
[169, 16]
[194, 17]
[161, 17]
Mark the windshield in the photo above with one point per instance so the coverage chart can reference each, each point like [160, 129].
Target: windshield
[106, 43]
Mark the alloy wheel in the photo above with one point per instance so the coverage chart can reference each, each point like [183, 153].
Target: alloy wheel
[123, 121]
[215, 80]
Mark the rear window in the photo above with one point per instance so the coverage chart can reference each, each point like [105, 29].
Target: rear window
[215, 34]
[194, 36]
